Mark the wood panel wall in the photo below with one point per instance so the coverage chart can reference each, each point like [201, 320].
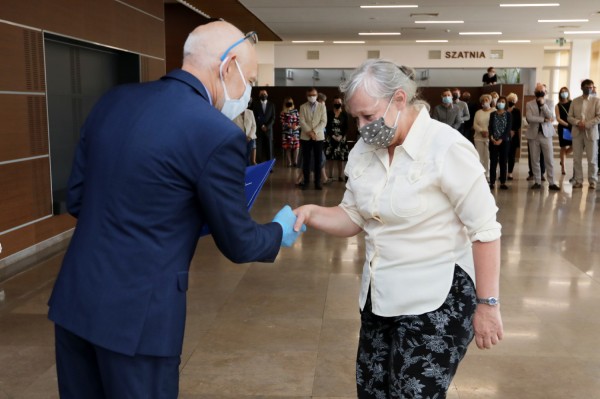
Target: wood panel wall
[136, 26]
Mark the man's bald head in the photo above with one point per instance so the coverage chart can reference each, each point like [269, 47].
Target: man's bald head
[206, 44]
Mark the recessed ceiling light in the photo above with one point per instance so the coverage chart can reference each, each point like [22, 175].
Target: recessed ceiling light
[514, 41]
[307, 41]
[349, 41]
[531, 5]
[379, 33]
[562, 20]
[581, 32]
[479, 33]
[391, 6]
[431, 41]
[439, 22]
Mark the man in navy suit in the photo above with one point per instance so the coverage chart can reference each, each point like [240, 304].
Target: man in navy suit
[155, 162]
[264, 112]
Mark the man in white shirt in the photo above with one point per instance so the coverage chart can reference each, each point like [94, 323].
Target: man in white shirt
[584, 116]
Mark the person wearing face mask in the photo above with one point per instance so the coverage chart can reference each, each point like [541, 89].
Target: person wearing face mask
[499, 129]
[584, 116]
[463, 107]
[336, 150]
[156, 161]
[290, 126]
[481, 125]
[313, 119]
[515, 132]
[264, 112]
[539, 137]
[447, 112]
[430, 279]
[561, 110]
[490, 77]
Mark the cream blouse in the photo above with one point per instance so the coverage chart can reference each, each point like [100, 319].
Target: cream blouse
[419, 214]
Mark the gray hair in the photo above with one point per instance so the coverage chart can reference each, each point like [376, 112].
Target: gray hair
[381, 79]
[485, 97]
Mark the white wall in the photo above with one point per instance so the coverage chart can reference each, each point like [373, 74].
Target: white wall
[460, 71]
[581, 57]
[289, 55]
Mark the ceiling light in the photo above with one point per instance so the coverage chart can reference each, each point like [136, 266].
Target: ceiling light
[479, 33]
[431, 41]
[439, 22]
[562, 20]
[391, 6]
[307, 41]
[349, 41]
[379, 33]
[581, 32]
[531, 5]
[514, 41]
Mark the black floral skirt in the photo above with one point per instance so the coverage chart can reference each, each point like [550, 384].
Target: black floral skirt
[416, 356]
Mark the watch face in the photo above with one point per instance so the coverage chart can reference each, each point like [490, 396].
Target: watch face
[492, 301]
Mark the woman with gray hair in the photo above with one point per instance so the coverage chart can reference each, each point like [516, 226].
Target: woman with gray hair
[418, 192]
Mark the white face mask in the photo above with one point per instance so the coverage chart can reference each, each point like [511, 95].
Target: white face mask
[312, 99]
[231, 107]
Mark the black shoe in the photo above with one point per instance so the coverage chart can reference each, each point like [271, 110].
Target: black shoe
[503, 187]
[509, 178]
[491, 186]
[554, 187]
[536, 186]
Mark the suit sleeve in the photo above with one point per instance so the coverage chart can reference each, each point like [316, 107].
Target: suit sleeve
[303, 124]
[323, 121]
[596, 120]
[220, 189]
[533, 118]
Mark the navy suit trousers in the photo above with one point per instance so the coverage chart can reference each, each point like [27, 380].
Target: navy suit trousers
[88, 371]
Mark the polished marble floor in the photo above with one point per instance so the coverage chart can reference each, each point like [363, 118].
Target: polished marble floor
[289, 329]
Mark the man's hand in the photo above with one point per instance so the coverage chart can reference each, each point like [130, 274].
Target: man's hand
[286, 218]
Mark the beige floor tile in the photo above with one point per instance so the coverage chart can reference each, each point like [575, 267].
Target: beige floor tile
[249, 373]
[289, 329]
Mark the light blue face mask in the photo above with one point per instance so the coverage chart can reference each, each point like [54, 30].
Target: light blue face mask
[564, 94]
[500, 105]
[231, 107]
[447, 100]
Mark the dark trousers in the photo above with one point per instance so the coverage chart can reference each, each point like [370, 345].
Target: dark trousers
[514, 144]
[88, 371]
[415, 356]
[312, 152]
[264, 145]
[542, 163]
[498, 157]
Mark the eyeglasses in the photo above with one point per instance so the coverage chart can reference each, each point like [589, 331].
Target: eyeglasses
[252, 36]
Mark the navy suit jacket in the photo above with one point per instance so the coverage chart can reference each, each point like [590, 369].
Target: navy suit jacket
[154, 163]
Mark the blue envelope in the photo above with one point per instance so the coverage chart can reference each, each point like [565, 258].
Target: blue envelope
[256, 175]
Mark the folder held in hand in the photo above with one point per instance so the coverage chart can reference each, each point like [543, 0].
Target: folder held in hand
[256, 175]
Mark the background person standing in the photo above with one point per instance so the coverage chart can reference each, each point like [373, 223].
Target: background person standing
[264, 112]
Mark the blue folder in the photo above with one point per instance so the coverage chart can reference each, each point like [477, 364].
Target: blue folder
[256, 175]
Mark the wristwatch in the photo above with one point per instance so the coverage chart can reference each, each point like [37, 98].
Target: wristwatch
[488, 301]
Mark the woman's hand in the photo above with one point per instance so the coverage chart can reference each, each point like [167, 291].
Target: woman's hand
[487, 324]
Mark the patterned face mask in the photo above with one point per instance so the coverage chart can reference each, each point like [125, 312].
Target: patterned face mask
[377, 133]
